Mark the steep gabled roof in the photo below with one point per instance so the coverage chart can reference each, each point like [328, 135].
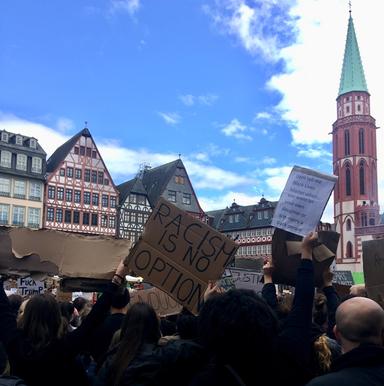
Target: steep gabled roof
[352, 75]
[155, 180]
[62, 151]
[132, 186]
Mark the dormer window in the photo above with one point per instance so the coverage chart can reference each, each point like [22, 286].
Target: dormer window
[19, 140]
[32, 143]
[4, 136]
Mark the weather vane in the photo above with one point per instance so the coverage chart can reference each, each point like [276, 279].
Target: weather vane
[86, 124]
[350, 6]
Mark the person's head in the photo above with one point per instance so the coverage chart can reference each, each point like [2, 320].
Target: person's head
[67, 309]
[140, 325]
[359, 320]
[186, 325]
[320, 311]
[284, 305]
[15, 301]
[83, 307]
[358, 290]
[41, 320]
[120, 301]
[20, 313]
[232, 324]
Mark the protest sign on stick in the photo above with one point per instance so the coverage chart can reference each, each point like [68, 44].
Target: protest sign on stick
[373, 262]
[179, 254]
[303, 200]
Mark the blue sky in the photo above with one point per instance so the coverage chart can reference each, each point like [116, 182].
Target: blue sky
[243, 90]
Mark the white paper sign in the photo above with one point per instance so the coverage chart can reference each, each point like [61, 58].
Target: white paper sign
[29, 286]
[303, 200]
[245, 279]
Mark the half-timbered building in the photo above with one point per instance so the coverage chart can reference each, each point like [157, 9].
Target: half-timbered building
[80, 195]
[139, 196]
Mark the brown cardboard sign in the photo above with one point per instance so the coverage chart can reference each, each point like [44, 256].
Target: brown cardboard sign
[286, 262]
[67, 254]
[373, 260]
[163, 304]
[179, 254]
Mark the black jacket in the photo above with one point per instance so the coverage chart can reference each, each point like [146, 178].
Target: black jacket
[362, 366]
[56, 364]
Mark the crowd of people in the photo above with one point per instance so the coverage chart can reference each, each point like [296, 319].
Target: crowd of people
[312, 337]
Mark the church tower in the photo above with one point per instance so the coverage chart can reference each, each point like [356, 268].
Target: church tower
[356, 208]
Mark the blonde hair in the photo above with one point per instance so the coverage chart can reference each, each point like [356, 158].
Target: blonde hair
[323, 353]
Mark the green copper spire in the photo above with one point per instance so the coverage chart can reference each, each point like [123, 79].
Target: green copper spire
[352, 76]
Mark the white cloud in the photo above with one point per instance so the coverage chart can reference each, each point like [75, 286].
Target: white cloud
[205, 99]
[129, 6]
[170, 118]
[65, 124]
[313, 152]
[276, 178]
[268, 160]
[263, 115]
[237, 130]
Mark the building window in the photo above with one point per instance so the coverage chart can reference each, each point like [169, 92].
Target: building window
[104, 201]
[104, 220]
[349, 252]
[67, 216]
[348, 226]
[132, 198]
[82, 150]
[94, 219]
[112, 221]
[87, 198]
[140, 200]
[69, 172]
[347, 150]
[76, 149]
[260, 215]
[19, 189]
[59, 215]
[32, 143]
[347, 109]
[106, 181]
[4, 136]
[180, 180]
[358, 108]
[50, 214]
[140, 218]
[100, 178]
[95, 199]
[362, 177]
[77, 197]
[85, 218]
[87, 175]
[21, 162]
[112, 201]
[171, 196]
[187, 198]
[36, 165]
[68, 195]
[88, 151]
[361, 141]
[372, 221]
[51, 192]
[364, 219]
[78, 174]
[5, 187]
[19, 140]
[94, 154]
[76, 217]
[266, 214]
[94, 176]
[6, 159]
[34, 217]
[18, 215]
[60, 193]
[348, 181]
[35, 189]
[4, 214]
[62, 172]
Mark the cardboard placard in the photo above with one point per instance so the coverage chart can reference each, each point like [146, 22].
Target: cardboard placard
[303, 200]
[286, 264]
[344, 278]
[179, 254]
[245, 279]
[23, 250]
[373, 260]
[163, 304]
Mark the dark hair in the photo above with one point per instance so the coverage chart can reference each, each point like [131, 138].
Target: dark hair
[120, 299]
[80, 303]
[167, 327]
[234, 324]
[15, 301]
[186, 325]
[320, 309]
[140, 325]
[41, 320]
[66, 309]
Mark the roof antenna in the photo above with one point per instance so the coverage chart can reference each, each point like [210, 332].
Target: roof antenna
[350, 8]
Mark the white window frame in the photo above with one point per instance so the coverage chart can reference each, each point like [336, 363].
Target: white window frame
[6, 184]
[6, 159]
[4, 214]
[35, 190]
[32, 143]
[19, 140]
[37, 164]
[34, 217]
[21, 162]
[19, 190]
[4, 136]
[18, 215]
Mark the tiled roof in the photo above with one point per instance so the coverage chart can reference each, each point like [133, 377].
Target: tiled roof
[132, 186]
